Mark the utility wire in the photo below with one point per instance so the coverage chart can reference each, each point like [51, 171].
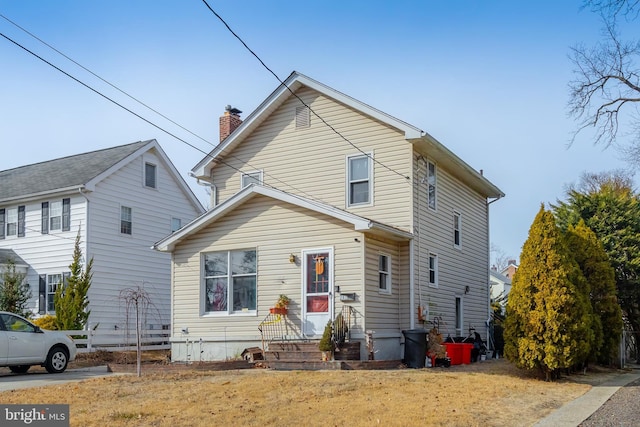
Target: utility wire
[145, 105]
[104, 80]
[309, 198]
[298, 97]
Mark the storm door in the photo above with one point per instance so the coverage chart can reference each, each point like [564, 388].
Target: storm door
[317, 290]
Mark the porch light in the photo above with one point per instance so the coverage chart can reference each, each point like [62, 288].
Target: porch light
[292, 258]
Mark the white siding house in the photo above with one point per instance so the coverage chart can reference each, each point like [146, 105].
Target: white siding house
[120, 201]
[371, 213]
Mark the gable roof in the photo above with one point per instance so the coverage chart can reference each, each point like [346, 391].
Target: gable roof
[359, 223]
[500, 277]
[419, 138]
[79, 171]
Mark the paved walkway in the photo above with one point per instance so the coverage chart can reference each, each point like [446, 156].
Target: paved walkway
[38, 379]
[578, 410]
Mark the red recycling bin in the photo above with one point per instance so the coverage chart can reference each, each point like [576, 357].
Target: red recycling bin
[466, 352]
[454, 351]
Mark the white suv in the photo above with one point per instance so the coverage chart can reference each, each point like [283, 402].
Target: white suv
[23, 344]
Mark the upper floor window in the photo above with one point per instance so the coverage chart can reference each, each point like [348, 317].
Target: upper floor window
[56, 215]
[359, 180]
[433, 270]
[384, 274]
[126, 220]
[457, 229]
[12, 221]
[251, 178]
[176, 224]
[230, 279]
[431, 183]
[3, 221]
[150, 177]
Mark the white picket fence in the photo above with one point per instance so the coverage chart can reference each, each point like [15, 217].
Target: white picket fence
[119, 340]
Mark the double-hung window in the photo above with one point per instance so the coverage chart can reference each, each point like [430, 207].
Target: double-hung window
[12, 221]
[126, 220]
[457, 230]
[55, 216]
[433, 270]
[384, 274]
[359, 180]
[150, 175]
[431, 185]
[53, 281]
[230, 280]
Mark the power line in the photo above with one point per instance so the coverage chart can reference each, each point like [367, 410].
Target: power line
[145, 105]
[309, 198]
[104, 80]
[300, 99]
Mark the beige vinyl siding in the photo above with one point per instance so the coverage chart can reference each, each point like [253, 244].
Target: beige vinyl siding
[383, 309]
[312, 161]
[275, 230]
[457, 268]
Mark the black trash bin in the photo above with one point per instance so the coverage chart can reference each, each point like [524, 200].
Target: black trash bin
[415, 347]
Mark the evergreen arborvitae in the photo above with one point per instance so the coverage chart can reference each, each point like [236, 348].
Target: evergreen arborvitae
[596, 267]
[548, 322]
[14, 291]
[70, 300]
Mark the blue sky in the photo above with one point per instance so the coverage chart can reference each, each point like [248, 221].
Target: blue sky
[487, 79]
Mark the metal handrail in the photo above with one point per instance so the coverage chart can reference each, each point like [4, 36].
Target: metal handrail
[273, 328]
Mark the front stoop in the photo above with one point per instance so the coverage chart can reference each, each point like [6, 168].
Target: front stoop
[304, 355]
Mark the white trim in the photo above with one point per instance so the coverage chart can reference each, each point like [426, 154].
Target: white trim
[359, 223]
[460, 317]
[146, 162]
[348, 158]
[436, 268]
[278, 97]
[389, 285]
[303, 293]
[248, 174]
[457, 214]
[435, 186]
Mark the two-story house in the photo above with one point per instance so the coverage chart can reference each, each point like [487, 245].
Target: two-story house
[323, 198]
[120, 200]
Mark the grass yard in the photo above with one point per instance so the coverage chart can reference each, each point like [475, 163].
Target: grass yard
[491, 393]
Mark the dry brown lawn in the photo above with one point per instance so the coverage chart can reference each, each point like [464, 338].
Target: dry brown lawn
[491, 393]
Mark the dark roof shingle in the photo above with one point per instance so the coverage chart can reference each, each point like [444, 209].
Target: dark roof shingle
[61, 173]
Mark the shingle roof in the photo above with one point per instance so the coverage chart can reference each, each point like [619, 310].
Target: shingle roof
[7, 254]
[62, 173]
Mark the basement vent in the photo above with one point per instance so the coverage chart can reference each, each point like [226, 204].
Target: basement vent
[302, 117]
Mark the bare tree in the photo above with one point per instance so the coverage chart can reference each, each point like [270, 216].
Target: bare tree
[499, 259]
[137, 300]
[606, 87]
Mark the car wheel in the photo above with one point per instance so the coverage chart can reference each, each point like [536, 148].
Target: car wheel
[20, 369]
[57, 360]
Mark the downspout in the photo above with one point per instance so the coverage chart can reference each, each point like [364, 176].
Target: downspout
[412, 297]
[488, 264]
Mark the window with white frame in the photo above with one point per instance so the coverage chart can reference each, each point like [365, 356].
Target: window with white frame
[53, 281]
[12, 221]
[384, 273]
[457, 229]
[150, 175]
[459, 317]
[431, 185]
[230, 279]
[55, 215]
[126, 220]
[251, 178]
[433, 270]
[176, 224]
[359, 180]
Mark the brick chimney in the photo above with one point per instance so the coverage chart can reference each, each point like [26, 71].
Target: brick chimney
[229, 121]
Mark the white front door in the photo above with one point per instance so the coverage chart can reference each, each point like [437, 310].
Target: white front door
[317, 290]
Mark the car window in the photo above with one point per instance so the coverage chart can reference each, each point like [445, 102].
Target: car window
[16, 324]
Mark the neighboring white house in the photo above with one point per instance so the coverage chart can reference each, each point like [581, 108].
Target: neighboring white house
[500, 287]
[372, 215]
[121, 200]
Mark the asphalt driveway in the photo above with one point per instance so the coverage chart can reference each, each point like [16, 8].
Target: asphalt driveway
[9, 381]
